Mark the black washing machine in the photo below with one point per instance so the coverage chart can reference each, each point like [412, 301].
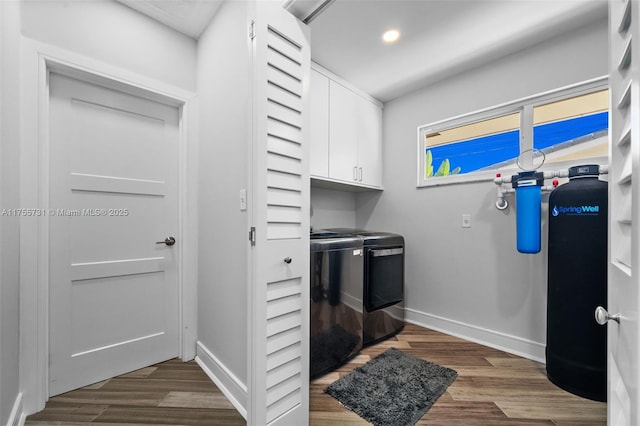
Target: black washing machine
[336, 315]
[383, 283]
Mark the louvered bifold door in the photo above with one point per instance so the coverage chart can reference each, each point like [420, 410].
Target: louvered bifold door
[279, 369]
[624, 195]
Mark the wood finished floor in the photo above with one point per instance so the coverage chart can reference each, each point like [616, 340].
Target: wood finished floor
[170, 393]
[492, 388]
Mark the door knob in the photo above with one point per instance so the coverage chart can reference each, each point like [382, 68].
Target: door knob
[602, 316]
[168, 241]
[287, 260]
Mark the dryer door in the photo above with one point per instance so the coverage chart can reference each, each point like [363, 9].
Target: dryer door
[384, 280]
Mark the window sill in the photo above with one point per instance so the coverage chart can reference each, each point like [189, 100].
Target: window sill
[485, 176]
[489, 175]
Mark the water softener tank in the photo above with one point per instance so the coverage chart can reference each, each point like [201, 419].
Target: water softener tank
[576, 349]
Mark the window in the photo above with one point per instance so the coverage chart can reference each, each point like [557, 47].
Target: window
[562, 126]
[472, 147]
[573, 128]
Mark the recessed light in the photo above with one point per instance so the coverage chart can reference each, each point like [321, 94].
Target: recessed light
[391, 36]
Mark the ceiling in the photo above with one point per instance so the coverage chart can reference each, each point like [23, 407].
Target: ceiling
[438, 37]
[189, 17]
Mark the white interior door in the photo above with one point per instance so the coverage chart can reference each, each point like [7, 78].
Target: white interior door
[279, 324]
[113, 195]
[624, 214]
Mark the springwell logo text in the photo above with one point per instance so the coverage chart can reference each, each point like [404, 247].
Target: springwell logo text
[575, 210]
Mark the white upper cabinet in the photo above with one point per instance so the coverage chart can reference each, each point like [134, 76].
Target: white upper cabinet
[319, 149]
[343, 133]
[346, 141]
[369, 143]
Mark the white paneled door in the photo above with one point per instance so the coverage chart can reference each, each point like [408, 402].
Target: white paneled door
[113, 203]
[279, 336]
[624, 211]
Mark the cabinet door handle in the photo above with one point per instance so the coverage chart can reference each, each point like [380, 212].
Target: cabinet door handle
[355, 173]
[360, 174]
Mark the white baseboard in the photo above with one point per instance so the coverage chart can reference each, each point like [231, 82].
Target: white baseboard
[494, 339]
[227, 382]
[17, 416]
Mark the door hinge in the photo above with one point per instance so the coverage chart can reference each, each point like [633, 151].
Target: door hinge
[252, 29]
[252, 235]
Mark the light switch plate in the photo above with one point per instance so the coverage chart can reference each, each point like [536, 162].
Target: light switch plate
[466, 220]
[243, 200]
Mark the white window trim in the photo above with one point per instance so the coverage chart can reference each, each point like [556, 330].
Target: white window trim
[525, 107]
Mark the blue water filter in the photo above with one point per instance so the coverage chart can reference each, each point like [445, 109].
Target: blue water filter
[528, 186]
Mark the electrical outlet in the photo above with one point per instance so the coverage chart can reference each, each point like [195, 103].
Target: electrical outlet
[466, 220]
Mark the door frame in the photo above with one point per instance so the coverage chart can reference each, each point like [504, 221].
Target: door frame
[38, 61]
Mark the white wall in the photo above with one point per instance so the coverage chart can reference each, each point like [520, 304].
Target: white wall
[223, 92]
[472, 281]
[9, 198]
[104, 34]
[112, 33]
[332, 209]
